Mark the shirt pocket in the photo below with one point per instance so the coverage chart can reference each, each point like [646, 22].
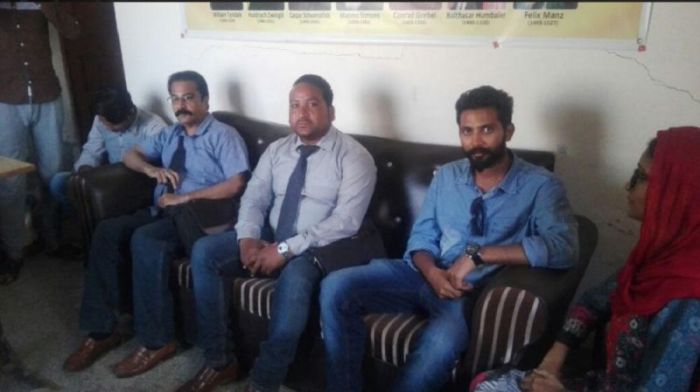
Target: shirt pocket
[207, 175]
[324, 193]
[505, 227]
[322, 183]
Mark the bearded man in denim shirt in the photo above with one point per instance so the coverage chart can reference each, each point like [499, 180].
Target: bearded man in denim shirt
[480, 213]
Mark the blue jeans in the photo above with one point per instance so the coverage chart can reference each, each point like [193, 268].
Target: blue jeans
[215, 262]
[41, 123]
[291, 303]
[389, 286]
[153, 248]
[59, 192]
[103, 294]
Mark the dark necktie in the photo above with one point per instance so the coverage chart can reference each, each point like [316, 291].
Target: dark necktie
[290, 204]
[177, 163]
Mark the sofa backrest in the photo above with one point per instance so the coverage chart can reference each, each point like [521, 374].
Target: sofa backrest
[404, 172]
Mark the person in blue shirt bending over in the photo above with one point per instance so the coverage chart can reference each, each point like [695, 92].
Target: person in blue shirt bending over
[480, 213]
[118, 126]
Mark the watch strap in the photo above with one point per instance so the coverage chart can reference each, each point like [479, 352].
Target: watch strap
[476, 258]
[472, 251]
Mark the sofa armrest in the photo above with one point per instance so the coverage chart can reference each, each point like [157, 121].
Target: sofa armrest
[520, 310]
[555, 287]
[106, 192]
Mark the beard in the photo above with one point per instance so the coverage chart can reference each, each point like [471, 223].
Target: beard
[488, 158]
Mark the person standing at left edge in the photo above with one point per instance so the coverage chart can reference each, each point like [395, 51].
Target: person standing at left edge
[30, 109]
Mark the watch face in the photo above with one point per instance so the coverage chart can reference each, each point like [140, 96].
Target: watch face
[472, 249]
[282, 248]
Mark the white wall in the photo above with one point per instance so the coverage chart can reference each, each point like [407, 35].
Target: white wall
[595, 108]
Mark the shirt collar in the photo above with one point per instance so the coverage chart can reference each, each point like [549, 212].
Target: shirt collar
[509, 183]
[327, 142]
[201, 129]
[138, 119]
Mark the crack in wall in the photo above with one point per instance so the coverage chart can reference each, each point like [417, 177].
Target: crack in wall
[658, 82]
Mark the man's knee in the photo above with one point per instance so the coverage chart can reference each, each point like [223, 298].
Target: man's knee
[336, 289]
[449, 336]
[204, 254]
[298, 280]
[214, 251]
[142, 241]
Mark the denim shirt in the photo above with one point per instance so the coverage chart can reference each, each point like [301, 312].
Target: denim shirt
[529, 207]
[215, 153]
[102, 141]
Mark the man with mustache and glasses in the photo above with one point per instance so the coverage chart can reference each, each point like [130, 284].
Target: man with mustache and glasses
[480, 213]
[312, 187]
[203, 160]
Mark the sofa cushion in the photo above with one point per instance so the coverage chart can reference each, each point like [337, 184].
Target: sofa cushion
[505, 320]
[391, 337]
[182, 273]
[255, 295]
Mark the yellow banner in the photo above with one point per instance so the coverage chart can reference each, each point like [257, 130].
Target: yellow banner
[415, 22]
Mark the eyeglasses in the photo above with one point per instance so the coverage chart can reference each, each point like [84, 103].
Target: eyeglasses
[477, 211]
[187, 98]
[637, 177]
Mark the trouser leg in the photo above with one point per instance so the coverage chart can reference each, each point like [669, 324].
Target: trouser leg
[14, 143]
[383, 286]
[154, 247]
[108, 259]
[291, 303]
[215, 262]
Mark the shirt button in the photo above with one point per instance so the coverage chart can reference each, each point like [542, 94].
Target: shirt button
[21, 44]
[26, 63]
[18, 25]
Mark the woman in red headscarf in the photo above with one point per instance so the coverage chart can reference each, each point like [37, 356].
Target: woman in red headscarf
[653, 303]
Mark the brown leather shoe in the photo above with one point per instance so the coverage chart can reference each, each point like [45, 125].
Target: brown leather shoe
[207, 379]
[143, 360]
[90, 351]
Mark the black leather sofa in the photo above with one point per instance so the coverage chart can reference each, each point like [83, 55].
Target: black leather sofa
[515, 318]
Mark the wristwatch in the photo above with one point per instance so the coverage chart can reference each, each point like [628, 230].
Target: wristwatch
[283, 250]
[472, 250]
